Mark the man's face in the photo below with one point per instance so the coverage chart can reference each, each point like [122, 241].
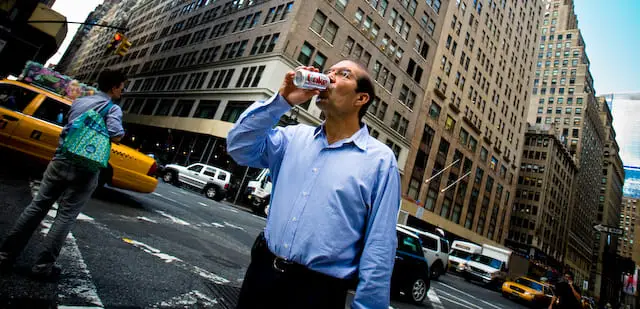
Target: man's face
[117, 91]
[568, 278]
[341, 97]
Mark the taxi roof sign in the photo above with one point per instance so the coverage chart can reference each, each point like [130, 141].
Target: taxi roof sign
[36, 74]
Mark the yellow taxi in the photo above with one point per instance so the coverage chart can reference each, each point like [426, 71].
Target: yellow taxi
[528, 290]
[31, 122]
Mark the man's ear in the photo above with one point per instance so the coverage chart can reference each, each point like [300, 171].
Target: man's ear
[363, 98]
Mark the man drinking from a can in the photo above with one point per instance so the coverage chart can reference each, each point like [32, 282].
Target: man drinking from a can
[336, 195]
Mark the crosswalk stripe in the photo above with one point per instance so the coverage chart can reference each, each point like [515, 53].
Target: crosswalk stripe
[469, 295]
[459, 299]
[434, 299]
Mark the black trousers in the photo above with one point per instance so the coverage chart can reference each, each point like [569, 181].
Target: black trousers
[271, 282]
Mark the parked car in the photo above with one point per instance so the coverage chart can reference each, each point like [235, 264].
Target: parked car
[436, 250]
[528, 290]
[411, 270]
[31, 120]
[212, 181]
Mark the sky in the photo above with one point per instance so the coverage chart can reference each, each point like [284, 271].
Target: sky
[73, 10]
[610, 31]
[609, 28]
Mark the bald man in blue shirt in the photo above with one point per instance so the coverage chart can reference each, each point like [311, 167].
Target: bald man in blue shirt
[335, 200]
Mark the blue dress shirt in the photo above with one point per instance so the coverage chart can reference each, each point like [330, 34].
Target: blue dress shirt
[333, 207]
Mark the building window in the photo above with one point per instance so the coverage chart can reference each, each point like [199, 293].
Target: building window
[183, 108]
[164, 107]
[434, 110]
[305, 53]
[318, 22]
[234, 109]
[319, 61]
[341, 5]
[450, 124]
[206, 109]
[330, 32]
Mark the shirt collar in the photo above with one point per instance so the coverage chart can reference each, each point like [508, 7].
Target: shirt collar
[103, 95]
[359, 138]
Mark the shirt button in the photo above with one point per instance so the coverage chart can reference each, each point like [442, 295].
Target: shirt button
[293, 219]
[315, 170]
[305, 194]
[286, 246]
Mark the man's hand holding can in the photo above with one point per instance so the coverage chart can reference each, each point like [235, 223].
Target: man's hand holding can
[298, 94]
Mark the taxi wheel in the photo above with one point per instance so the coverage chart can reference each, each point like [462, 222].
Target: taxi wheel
[105, 176]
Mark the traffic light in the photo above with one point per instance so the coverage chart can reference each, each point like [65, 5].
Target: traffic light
[123, 48]
[115, 42]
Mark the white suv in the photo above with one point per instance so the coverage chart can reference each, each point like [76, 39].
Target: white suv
[213, 181]
[436, 250]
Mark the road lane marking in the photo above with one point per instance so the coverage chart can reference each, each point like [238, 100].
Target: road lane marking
[178, 262]
[229, 209]
[151, 250]
[209, 276]
[467, 294]
[455, 302]
[156, 193]
[172, 218]
[216, 224]
[54, 211]
[173, 193]
[458, 298]
[434, 299]
[203, 204]
[233, 226]
[146, 219]
[194, 298]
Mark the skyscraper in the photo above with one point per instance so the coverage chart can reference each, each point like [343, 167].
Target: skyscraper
[462, 171]
[609, 207]
[541, 210]
[563, 94]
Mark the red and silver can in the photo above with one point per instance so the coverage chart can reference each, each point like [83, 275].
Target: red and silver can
[311, 80]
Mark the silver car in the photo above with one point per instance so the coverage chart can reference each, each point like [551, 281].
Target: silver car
[212, 181]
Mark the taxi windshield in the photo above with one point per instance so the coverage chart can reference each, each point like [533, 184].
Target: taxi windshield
[530, 284]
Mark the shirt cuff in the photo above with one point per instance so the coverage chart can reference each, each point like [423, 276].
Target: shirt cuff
[278, 106]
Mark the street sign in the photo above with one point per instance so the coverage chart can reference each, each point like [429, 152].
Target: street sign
[608, 229]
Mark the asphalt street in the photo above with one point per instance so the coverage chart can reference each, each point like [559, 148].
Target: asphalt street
[173, 248]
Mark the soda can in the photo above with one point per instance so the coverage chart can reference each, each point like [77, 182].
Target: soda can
[311, 80]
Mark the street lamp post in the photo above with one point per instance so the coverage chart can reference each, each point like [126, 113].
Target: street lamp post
[455, 182]
[442, 170]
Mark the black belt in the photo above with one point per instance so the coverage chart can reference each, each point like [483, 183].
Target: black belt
[287, 267]
[279, 264]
